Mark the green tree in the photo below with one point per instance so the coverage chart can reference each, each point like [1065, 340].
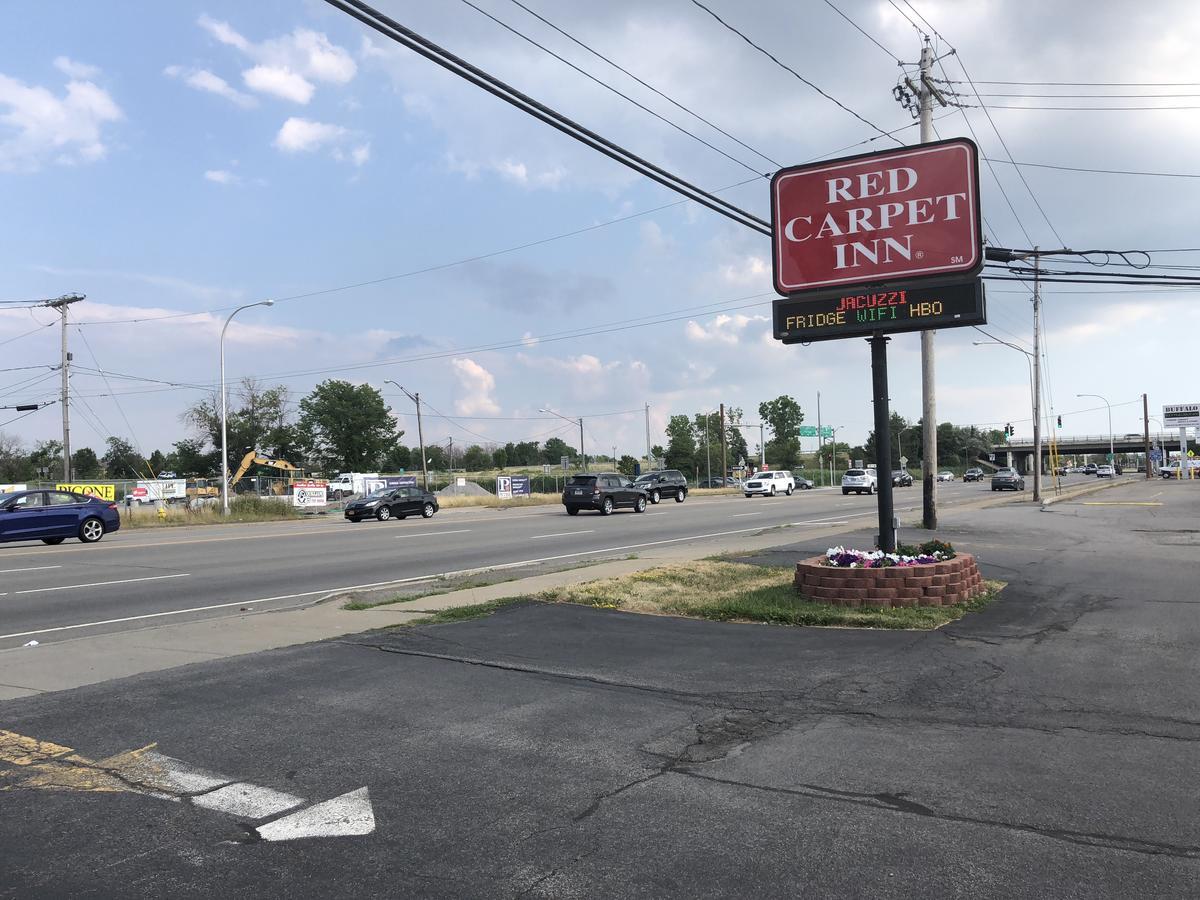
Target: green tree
[256, 419]
[400, 457]
[896, 423]
[189, 458]
[735, 437]
[85, 464]
[436, 454]
[121, 460]
[626, 466]
[346, 427]
[157, 461]
[783, 453]
[659, 455]
[681, 444]
[783, 416]
[476, 459]
[556, 448]
[14, 461]
[47, 455]
[525, 453]
[500, 457]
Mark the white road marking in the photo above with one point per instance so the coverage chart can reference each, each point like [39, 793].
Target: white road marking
[379, 584]
[71, 587]
[172, 776]
[247, 801]
[434, 533]
[740, 515]
[538, 537]
[349, 814]
[30, 569]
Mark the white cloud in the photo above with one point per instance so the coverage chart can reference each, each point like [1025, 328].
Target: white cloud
[224, 33]
[479, 385]
[359, 155]
[222, 176]
[303, 135]
[74, 69]
[750, 270]
[722, 329]
[210, 83]
[279, 81]
[43, 127]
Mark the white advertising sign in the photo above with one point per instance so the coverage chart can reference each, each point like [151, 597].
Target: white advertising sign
[307, 494]
[1182, 415]
[12, 488]
[157, 490]
[504, 487]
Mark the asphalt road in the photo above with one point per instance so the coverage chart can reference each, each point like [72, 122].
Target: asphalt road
[137, 577]
[1044, 747]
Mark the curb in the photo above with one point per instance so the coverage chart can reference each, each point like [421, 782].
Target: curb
[1082, 492]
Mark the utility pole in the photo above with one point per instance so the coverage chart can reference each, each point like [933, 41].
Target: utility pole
[928, 388]
[724, 444]
[61, 304]
[582, 453]
[820, 439]
[1146, 426]
[416, 398]
[1037, 378]
[649, 456]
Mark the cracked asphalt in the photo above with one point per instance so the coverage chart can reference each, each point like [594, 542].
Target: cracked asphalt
[1047, 746]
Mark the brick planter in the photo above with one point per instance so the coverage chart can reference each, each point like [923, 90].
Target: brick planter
[932, 584]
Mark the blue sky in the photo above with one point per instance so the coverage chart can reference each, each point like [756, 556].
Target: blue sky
[190, 157]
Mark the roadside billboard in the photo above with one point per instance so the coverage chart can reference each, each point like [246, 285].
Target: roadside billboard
[306, 494]
[509, 486]
[100, 491]
[12, 488]
[155, 491]
[1182, 415]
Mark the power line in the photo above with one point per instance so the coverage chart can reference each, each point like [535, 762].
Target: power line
[860, 30]
[644, 84]
[792, 71]
[1009, 162]
[394, 31]
[995, 177]
[609, 87]
[1093, 96]
[1080, 83]
[908, 18]
[987, 106]
[25, 334]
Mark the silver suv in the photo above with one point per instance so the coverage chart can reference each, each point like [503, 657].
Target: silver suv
[861, 481]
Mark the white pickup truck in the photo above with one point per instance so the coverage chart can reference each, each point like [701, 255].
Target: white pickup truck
[348, 483]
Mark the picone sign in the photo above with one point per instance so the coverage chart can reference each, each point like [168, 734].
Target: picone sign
[881, 218]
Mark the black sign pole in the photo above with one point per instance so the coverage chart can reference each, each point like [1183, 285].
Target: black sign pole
[883, 442]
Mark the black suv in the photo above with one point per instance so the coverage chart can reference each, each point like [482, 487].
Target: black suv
[604, 492]
[666, 483]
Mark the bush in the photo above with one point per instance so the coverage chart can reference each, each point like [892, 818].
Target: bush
[936, 546]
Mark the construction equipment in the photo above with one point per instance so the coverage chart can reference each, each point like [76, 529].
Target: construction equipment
[254, 458]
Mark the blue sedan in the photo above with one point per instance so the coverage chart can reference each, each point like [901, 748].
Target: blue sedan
[54, 516]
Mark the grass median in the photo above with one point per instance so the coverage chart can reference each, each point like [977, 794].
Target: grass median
[739, 592]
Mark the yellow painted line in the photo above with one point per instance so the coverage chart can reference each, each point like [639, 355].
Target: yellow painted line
[49, 766]
[1121, 503]
[20, 750]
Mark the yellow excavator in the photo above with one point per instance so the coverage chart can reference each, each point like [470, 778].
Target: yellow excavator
[254, 458]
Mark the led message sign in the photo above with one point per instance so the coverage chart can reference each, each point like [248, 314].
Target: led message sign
[842, 314]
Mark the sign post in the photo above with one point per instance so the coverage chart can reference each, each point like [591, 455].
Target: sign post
[1182, 416]
[876, 244]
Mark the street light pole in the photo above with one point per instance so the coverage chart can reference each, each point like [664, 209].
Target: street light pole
[833, 452]
[1112, 456]
[224, 411]
[416, 398]
[1034, 393]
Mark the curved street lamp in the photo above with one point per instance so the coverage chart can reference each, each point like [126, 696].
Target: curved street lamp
[1112, 456]
[1037, 425]
[224, 451]
[582, 454]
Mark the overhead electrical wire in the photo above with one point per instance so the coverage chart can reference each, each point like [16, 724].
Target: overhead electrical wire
[790, 70]
[864, 33]
[394, 31]
[645, 84]
[1009, 162]
[1080, 83]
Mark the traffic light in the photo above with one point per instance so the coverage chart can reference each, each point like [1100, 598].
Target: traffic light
[1009, 430]
[1060, 421]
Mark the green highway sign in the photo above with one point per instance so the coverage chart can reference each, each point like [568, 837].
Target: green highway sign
[808, 431]
[827, 431]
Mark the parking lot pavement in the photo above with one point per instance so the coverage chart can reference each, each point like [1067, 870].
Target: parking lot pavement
[1044, 747]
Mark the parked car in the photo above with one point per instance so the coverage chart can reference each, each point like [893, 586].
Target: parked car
[54, 516]
[770, 483]
[973, 475]
[716, 482]
[902, 479]
[1089, 469]
[1007, 480]
[804, 484]
[397, 503]
[664, 483]
[945, 476]
[861, 481]
[1171, 470]
[604, 492]
[1105, 471]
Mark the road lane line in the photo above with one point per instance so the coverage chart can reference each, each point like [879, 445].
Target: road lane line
[740, 515]
[247, 801]
[538, 537]
[433, 533]
[30, 569]
[71, 587]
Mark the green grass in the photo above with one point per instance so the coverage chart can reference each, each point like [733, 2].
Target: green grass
[241, 509]
[462, 613]
[724, 591]
[446, 587]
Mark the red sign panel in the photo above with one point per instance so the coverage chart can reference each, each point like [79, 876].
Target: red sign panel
[899, 215]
